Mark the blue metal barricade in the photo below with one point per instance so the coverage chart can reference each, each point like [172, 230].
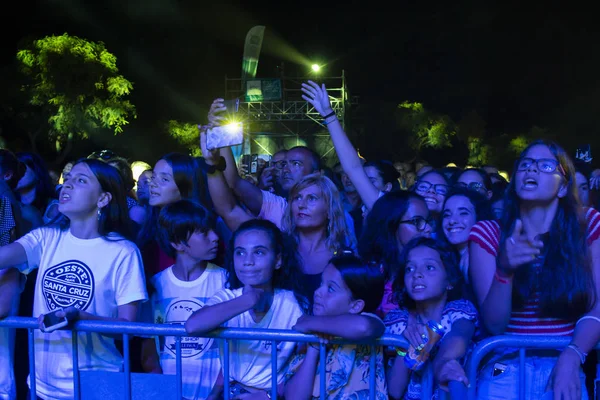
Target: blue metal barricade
[523, 343]
[130, 388]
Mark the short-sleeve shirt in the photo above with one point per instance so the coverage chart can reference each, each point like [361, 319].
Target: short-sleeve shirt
[250, 360]
[93, 275]
[527, 321]
[396, 321]
[347, 371]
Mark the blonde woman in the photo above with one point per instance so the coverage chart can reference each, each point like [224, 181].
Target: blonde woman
[315, 224]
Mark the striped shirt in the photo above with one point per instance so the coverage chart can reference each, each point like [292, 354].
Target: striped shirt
[527, 321]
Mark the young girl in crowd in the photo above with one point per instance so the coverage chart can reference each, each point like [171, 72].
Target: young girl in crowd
[184, 288]
[429, 290]
[434, 188]
[462, 209]
[176, 176]
[538, 273]
[89, 269]
[395, 219]
[253, 299]
[350, 292]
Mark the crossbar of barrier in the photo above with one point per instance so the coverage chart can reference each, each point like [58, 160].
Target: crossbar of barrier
[520, 342]
[129, 329]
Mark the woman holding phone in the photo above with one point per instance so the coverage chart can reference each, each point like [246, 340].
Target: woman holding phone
[88, 270]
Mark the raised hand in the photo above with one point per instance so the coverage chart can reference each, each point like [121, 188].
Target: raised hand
[217, 106]
[519, 249]
[254, 296]
[414, 332]
[266, 178]
[317, 96]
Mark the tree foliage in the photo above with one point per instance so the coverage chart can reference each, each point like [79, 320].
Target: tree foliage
[427, 129]
[186, 134]
[76, 85]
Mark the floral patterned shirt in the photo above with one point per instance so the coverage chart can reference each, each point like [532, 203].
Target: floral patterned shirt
[347, 370]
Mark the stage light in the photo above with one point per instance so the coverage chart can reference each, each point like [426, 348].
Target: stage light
[315, 67]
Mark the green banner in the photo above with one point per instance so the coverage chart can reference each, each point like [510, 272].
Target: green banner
[252, 47]
[263, 90]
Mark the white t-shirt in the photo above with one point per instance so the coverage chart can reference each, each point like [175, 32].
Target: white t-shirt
[94, 275]
[250, 360]
[173, 303]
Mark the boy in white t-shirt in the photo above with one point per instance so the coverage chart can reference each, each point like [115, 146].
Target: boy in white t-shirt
[183, 288]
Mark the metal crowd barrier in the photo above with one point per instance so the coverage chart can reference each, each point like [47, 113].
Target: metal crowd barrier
[130, 329]
[523, 343]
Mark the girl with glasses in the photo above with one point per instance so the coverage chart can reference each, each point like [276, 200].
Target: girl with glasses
[537, 273]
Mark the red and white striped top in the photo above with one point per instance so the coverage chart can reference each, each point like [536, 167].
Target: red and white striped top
[527, 320]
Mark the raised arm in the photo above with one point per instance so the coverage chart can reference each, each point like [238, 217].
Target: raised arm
[347, 154]
[212, 316]
[492, 276]
[250, 194]
[347, 326]
[223, 200]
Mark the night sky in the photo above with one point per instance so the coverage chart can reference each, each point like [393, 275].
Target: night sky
[514, 67]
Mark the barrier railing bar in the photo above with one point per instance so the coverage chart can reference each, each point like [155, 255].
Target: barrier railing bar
[75, 358]
[273, 370]
[178, 367]
[372, 367]
[322, 377]
[32, 382]
[127, 370]
[140, 328]
[522, 380]
[509, 341]
[226, 369]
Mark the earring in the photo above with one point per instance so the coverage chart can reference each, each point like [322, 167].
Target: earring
[99, 213]
[449, 287]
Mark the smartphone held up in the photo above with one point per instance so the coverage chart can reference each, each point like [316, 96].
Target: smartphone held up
[228, 135]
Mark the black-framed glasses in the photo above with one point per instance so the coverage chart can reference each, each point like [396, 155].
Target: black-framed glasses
[424, 186]
[103, 155]
[279, 164]
[546, 165]
[473, 186]
[419, 222]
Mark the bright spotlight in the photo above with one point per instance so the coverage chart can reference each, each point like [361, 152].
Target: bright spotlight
[315, 67]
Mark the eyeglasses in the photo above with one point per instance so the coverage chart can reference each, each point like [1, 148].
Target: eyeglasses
[546, 165]
[474, 186]
[419, 222]
[280, 164]
[424, 186]
[103, 154]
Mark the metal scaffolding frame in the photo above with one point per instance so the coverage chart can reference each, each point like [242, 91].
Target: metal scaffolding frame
[290, 116]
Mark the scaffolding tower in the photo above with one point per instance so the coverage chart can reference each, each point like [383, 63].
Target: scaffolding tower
[277, 117]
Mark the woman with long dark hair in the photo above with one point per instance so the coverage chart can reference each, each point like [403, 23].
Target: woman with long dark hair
[88, 270]
[537, 273]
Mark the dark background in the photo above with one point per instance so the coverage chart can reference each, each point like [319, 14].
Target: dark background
[514, 66]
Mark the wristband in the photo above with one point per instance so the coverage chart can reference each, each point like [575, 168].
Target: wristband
[331, 114]
[576, 349]
[587, 317]
[220, 166]
[501, 279]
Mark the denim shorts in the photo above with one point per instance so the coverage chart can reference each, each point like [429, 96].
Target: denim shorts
[499, 378]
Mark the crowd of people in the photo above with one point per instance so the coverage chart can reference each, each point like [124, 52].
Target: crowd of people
[443, 257]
